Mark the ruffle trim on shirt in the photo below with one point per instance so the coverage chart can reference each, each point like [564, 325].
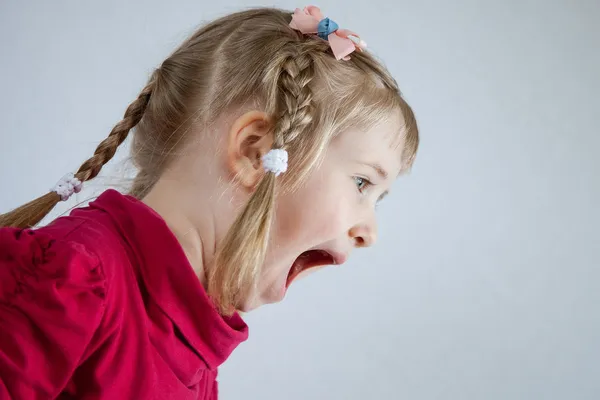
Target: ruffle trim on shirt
[34, 265]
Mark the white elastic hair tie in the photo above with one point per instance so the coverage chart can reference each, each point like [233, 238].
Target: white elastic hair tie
[275, 161]
[68, 185]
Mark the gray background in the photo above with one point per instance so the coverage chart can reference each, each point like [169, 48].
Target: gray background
[484, 284]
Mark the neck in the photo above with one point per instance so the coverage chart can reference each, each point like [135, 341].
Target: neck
[193, 229]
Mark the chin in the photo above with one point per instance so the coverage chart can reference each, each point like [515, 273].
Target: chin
[271, 296]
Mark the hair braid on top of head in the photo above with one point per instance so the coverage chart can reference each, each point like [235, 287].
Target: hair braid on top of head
[30, 214]
[243, 249]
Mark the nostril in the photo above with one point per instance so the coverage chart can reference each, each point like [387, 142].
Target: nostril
[359, 241]
[362, 235]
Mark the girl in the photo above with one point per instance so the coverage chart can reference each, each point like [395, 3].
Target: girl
[136, 296]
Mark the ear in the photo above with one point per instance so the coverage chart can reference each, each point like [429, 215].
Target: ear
[250, 137]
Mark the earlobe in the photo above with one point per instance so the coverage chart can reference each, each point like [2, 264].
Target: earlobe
[250, 137]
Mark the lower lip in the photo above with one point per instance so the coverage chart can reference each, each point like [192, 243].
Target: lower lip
[288, 283]
[303, 274]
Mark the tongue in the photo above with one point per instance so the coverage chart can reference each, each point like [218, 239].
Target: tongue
[308, 259]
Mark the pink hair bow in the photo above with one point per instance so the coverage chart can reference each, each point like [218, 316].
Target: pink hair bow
[342, 41]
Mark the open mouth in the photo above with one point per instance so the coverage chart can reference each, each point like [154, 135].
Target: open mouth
[309, 259]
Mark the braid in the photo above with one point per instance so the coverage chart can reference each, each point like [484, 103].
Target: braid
[30, 214]
[239, 258]
[295, 97]
[108, 147]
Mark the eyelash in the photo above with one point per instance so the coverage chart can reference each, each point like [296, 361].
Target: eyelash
[366, 183]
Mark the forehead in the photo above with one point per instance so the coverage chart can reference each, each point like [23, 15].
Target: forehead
[381, 143]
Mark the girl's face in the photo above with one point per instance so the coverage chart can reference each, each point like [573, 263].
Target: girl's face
[332, 213]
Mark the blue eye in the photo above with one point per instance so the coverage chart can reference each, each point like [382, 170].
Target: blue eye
[361, 183]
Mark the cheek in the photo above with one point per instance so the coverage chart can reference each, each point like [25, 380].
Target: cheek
[315, 213]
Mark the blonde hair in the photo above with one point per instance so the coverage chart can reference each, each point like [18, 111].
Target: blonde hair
[249, 56]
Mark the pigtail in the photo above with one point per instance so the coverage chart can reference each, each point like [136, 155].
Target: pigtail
[242, 253]
[243, 250]
[30, 214]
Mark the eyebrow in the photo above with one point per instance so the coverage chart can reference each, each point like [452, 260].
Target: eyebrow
[379, 169]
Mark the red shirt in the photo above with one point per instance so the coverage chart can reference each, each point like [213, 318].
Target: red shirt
[103, 304]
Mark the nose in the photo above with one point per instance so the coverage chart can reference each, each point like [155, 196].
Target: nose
[364, 234]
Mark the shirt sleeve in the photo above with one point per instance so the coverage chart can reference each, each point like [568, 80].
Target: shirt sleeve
[52, 298]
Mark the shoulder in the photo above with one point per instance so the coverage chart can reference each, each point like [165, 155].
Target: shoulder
[81, 260]
[88, 234]
[53, 299]
[45, 262]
